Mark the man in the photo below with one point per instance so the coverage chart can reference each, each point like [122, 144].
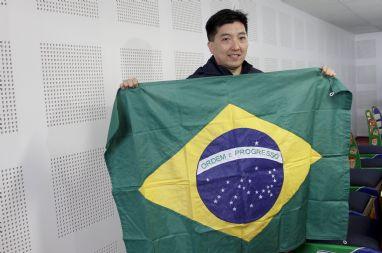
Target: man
[228, 43]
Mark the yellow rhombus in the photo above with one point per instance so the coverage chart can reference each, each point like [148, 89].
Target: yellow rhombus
[173, 185]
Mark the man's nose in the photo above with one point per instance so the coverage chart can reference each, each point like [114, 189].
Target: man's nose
[235, 44]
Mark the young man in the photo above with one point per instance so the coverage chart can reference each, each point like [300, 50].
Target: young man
[228, 43]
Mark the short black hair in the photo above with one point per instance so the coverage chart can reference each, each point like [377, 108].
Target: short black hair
[222, 17]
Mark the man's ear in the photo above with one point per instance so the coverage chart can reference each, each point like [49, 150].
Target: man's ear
[211, 47]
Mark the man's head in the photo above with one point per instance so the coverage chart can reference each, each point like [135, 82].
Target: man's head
[227, 38]
[222, 17]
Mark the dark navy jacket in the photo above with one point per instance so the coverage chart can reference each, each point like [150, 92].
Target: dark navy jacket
[211, 68]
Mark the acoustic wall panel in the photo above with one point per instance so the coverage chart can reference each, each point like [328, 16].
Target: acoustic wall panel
[368, 80]
[217, 5]
[270, 64]
[314, 64]
[138, 12]
[250, 8]
[344, 74]
[366, 49]
[331, 43]
[299, 34]
[366, 74]
[256, 62]
[109, 248]
[341, 46]
[321, 44]
[8, 114]
[335, 43]
[186, 63]
[311, 37]
[285, 26]
[269, 25]
[351, 75]
[366, 99]
[73, 83]
[287, 64]
[87, 8]
[187, 15]
[361, 122]
[82, 190]
[300, 64]
[143, 64]
[347, 48]
[14, 222]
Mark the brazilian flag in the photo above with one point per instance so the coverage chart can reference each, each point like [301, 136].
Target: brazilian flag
[249, 163]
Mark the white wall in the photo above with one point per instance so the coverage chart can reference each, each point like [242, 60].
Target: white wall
[368, 76]
[60, 66]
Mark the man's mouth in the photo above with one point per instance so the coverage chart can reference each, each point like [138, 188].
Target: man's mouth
[234, 56]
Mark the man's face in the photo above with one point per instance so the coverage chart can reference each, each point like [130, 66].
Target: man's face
[230, 46]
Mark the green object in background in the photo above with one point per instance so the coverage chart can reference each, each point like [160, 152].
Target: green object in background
[156, 122]
[374, 135]
[324, 248]
[354, 156]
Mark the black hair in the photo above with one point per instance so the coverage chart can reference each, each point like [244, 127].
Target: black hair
[222, 17]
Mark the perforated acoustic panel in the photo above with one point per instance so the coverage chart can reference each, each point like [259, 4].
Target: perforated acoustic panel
[88, 8]
[8, 115]
[331, 43]
[366, 49]
[143, 64]
[285, 26]
[366, 99]
[321, 46]
[271, 64]
[138, 12]
[255, 62]
[345, 75]
[110, 248]
[250, 7]
[82, 190]
[366, 74]
[186, 63]
[313, 64]
[287, 64]
[311, 37]
[217, 5]
[73, 83]
[299, 34]
[187, 15]
[269, 25]
[14, 224]
[351, 74]
[300, 64]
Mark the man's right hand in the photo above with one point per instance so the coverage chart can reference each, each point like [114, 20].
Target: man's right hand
[129, 83]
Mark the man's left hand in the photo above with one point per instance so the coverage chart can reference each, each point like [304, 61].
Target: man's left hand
[328, 71]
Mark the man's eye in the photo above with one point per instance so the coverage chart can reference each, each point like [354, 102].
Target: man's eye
[225, 39]
[243, 38]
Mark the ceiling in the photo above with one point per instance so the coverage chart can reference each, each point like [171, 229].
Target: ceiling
[355, 16]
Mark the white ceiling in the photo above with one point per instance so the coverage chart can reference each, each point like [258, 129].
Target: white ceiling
[355, 16]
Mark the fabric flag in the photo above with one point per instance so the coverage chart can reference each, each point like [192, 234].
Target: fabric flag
[249, 163]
